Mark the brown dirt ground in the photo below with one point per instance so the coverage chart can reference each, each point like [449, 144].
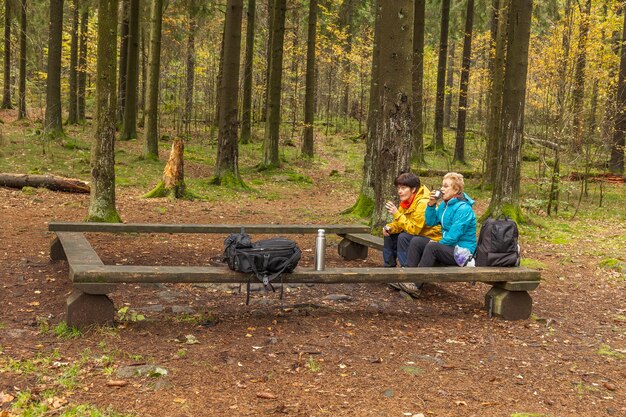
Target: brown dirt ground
[376, 354]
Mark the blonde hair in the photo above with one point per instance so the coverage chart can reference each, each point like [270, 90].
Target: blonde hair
[457, 181]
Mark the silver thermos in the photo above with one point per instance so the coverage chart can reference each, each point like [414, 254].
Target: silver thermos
[320, 249]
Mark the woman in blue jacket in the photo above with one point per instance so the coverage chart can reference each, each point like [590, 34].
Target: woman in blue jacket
[458, 227]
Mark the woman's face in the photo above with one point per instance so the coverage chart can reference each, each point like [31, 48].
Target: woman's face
[448, 189]
[405, 192]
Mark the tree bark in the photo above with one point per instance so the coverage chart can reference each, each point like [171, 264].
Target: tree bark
[6, 97]
[346, 22]
[309, 95]
[82, 61]
[616, 163]
[495, 95]
[578, 89]
[53, 124]
[154, 65]
[191, 64]
[121, 79]
[50, 182]
[437, 143]
[246, 116]
[418, 80]
[506, 191]
[173, 184]
[132, 73]
[72, 107]
[272, 131]
[226, 167]
[22, 88]
[447, 108]
[102, 201]
[393, 136]
[459, 148]
[271, 5]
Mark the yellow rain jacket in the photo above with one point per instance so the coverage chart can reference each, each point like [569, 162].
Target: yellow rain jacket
[412, 220]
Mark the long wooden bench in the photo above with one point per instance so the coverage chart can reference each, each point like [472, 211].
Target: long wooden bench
[92, 280]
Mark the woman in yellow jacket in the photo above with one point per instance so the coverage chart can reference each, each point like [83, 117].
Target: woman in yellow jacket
[408, 219]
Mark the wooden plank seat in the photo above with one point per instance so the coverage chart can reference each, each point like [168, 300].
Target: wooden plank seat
[92, 280]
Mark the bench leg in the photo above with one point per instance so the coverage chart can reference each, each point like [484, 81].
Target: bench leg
[86, 309]
[351, 250]
[510, 305]
[57, 253]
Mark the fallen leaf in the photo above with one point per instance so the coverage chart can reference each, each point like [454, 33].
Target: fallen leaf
[117, 383]
[609, 386]
[180, 400]
[34, 303]
[266, 395]
[460, 403]
[6, 398]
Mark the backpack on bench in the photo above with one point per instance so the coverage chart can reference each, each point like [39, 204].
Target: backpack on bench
[265, 259]
[498, 243]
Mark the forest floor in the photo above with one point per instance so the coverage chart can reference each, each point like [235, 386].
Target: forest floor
[324, 350]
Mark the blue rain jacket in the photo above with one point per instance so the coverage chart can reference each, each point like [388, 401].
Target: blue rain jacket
[457, 220]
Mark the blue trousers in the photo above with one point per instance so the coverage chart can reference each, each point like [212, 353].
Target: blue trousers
[396, 247]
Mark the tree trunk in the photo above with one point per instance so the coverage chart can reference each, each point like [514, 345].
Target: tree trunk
[154, 65]
[459, 148]
[495, 96]
[272, 131]
[579, 78]
[447, 108]
[22, 89]
[271, 5]
[437, 143]
[144, 77]
[72, 107]
[121, 79]
[50, 182]
[418, 80]
[506, 191]
[246, 117]
[393, 136]
[102, 201]
[226, 167]
[346, 17]
[191, 64]
[173, 184]
[132, 74]
[82, 61]
[616, 163]
[6, 97]
[53, 124]
[309, 97]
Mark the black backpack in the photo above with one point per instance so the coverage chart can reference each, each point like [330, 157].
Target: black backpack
[497, 243]
[266, 259]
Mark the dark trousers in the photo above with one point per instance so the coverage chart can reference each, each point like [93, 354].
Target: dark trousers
[425, 252]
[396, 247]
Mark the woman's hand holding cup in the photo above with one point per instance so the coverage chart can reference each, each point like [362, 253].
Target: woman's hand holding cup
[391, 208]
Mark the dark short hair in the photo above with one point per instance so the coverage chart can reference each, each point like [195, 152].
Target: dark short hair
[408, 179]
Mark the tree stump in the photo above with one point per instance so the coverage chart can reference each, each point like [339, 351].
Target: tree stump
[173, 184]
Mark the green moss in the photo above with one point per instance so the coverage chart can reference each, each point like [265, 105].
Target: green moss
[103, 215]
[156, 192]
[606, 350]
[364, 207]
[532, 263]
[229, 179]
[514, 212]
[29, 190]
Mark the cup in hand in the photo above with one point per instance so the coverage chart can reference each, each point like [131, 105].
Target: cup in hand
[438, 194]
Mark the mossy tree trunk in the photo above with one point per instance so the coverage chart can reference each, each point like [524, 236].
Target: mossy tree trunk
[132, 73]
[459, 147]
[21, 104]
[53, 125]
[418, 80]
[72, 108]
[173, 184]
[102, 201]
[6, 96]
[82, 61]
[308, 141]
[437, 142]
[246, 113]
[393, 143]
[226, 167]
[154, 65]
[272, 130]
[505, 198]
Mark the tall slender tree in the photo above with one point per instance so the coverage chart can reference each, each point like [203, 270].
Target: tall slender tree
[132, 73]
[226, 168]
[82, 61]
[393, 137]
[505, 198]
[578, 89]
[616, 162]
[121, 79]
[272, 129]
[447, 105]
[309, 95]
[246, 114]
[72, 107]
[437, 143]
[459, 148]
[191, 63]
[154, 65]
[53, 125]
[418, 79]
[346, 18]
[6, 96]
[22, 89]
[102, 201]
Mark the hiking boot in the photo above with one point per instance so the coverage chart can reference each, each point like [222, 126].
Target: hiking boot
[412, 288]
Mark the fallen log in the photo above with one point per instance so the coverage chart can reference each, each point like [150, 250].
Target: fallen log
[50, 182]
